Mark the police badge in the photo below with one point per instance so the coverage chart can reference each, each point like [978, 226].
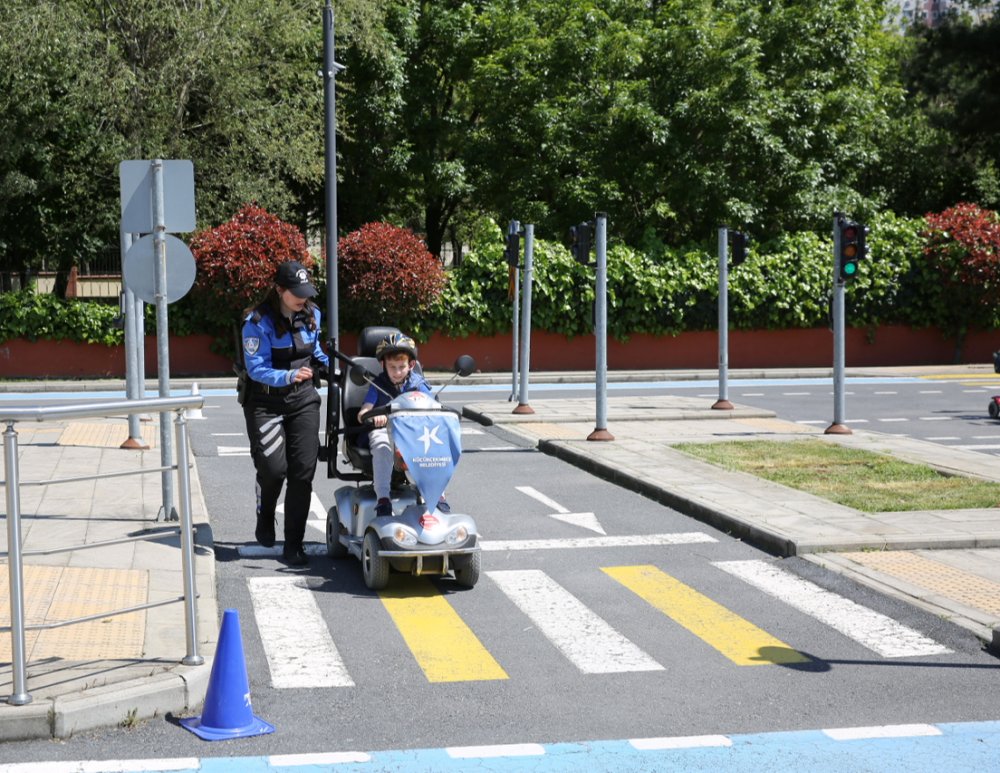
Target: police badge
[251, 345]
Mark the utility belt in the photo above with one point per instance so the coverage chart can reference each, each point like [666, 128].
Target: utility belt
[265, 389]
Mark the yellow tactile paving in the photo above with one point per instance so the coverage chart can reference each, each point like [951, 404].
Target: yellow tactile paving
[105, 434]
[963, 587]
[53, 593]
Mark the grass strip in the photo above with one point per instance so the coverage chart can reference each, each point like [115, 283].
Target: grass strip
[863, 480]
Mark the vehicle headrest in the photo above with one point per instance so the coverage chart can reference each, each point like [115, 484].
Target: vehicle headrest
[370, 338]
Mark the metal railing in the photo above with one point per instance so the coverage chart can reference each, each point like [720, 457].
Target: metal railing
[15, 554]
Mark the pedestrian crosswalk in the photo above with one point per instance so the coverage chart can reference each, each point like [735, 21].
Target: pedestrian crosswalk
[433, 634]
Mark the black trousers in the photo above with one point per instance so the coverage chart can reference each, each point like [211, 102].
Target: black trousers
[284, 444]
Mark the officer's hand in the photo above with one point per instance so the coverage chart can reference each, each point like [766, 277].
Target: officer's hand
[302, 374]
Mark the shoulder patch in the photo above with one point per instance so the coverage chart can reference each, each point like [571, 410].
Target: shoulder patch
[251, 345]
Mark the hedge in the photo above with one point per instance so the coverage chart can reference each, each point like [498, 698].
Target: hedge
[784, 283]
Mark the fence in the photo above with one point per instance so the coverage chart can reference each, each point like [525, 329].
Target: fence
[15, 554]
[96, 276]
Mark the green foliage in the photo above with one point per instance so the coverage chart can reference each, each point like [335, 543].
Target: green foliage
[785, 283]
[31, 315]
[962, 253]
[386, 276]
[236, 263]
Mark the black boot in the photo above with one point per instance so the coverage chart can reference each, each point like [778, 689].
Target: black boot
[265, 530]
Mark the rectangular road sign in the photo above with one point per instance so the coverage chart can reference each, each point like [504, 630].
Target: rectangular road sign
[136, 179]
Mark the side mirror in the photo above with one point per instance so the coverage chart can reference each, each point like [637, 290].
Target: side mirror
[465, 365]
[359, 375]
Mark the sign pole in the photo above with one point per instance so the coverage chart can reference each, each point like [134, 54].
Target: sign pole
[168, 512]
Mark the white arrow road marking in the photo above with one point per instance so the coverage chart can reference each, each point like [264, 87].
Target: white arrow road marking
[300, 651]
[587, 640]
[583, 520]
[879, 633]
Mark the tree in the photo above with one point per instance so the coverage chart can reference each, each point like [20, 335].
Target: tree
[84, 85]
[953, 75]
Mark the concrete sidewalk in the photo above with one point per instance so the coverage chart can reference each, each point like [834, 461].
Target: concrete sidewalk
[112, 670]
[121, 669]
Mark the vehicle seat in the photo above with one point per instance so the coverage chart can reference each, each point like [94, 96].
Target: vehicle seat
[353, 396]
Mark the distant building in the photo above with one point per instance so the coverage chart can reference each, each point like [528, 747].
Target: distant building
[929, 13]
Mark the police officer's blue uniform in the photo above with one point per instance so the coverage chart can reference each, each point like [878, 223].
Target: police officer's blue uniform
[282, 417]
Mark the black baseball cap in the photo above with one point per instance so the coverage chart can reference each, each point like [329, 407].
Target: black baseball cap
[293, 276]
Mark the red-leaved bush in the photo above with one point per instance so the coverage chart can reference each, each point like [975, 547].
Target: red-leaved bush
[386, 275]
[237, 260]
[963, 249]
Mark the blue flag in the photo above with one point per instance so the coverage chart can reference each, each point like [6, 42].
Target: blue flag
[430, 444]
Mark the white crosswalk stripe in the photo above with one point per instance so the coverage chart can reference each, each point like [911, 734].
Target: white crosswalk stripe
[872, 629]
[587, 640]
[299, 655]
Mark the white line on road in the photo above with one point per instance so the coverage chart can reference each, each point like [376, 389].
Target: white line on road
[884, 731]
[982, 447]
[641, 540]
[930, 391]
[887, 393]
[896, 419]
[935, 418]
[869, 628]
[234, 450]
[300, 651]
[945, 437]
[795, 394]
[587, 640]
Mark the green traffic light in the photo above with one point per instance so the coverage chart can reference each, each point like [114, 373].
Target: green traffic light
[850, 268]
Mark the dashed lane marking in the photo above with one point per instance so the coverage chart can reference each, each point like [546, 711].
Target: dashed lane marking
[869, 628]
[739, 640]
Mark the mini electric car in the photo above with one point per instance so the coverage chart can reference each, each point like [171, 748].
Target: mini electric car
[420, 539]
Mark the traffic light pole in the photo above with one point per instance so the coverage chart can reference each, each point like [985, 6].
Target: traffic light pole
[514, 274]
[601, 329]
[525, 364]
[723, 403]
[838, 427]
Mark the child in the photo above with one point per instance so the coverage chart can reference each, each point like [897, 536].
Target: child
[397, 353]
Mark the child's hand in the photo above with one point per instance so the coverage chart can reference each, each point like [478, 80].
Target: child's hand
[380, 421]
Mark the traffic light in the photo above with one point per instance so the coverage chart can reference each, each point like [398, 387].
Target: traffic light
[738, 253]
[851, 248]
[513, 249]
[579, 236]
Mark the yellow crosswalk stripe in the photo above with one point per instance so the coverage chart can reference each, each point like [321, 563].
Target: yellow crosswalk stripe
[739, 640]
[445, 647]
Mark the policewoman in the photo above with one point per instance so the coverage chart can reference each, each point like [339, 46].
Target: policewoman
[283, 359]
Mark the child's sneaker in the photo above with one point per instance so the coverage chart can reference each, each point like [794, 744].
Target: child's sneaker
[443, 506]
[383, 508]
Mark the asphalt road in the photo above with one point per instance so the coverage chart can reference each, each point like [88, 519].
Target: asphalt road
[621, 668]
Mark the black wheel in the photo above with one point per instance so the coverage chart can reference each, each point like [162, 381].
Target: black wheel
[334, 547]
[467, 570]
[374, 567]
[994, 409]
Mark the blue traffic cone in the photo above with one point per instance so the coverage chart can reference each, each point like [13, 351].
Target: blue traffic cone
[227, 712]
